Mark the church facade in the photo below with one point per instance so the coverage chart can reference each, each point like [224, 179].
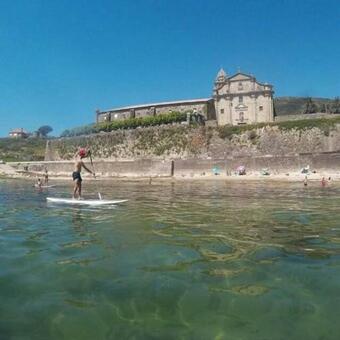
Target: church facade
[241, 99]
[238, 99]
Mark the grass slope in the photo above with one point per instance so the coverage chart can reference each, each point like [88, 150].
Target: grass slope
[324, 124]
[18, 149]
[297, 105]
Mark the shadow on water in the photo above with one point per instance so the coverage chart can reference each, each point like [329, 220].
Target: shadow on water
[193, 260]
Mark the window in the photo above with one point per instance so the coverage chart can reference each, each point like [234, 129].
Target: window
[240, 99]
[222, 111]
[241, 117]
[261, 108]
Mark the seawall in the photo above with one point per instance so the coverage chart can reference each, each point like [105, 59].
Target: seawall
[138, 168]
[185, 142]
[327, 162]
[184, 151]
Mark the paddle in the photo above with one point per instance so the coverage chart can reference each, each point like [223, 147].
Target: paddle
[95, 178]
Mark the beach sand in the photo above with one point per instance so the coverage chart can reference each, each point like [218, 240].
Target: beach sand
[329, 176]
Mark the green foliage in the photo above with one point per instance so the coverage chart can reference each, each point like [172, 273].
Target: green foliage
[253, 136]
[227, 131]
[44, 130]
[297, 105]
[300, 105]
[78, 131]
[162, 141]
[18, 149]
[310, 106]
[130, 123]
[336, 105]
[324, 124]
[323, 108]
[153, 141]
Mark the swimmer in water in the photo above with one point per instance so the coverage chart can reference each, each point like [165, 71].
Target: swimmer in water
[39, 184]
[78, 165]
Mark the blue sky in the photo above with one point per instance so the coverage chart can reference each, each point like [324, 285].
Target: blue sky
[60, 60]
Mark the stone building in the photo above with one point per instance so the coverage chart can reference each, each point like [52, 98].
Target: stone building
[205, 107]
[238, 99]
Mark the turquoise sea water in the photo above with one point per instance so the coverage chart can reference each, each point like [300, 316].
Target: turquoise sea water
[189, 260]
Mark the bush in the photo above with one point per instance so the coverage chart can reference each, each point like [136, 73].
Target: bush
[130, 123]
[227, 131]
[82, 130]
[19, 149]
[324, 124]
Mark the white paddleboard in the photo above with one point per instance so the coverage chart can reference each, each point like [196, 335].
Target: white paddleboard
[44, 186]
[83, 202]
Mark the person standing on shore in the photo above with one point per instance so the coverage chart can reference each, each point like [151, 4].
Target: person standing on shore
[305, 182]
[46, 176]
[78, 165]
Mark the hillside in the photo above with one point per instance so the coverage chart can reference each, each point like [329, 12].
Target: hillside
[297, 105]
[17, 149]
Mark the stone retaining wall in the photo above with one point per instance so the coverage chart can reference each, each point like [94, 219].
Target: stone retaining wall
[139, 168]
[188, 151]
[193, 167]
[187, 142]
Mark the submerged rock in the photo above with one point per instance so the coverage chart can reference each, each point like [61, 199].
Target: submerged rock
[253, 290]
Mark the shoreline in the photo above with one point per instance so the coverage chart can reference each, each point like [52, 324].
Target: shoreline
[251, 177]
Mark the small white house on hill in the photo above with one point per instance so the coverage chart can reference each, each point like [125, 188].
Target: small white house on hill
[18, 133]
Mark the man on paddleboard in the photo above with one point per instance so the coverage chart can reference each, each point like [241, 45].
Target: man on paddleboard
[78, 165]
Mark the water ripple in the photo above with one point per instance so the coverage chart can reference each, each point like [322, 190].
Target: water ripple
[188, 260]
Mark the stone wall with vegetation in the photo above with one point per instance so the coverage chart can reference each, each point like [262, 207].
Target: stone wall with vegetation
[153, 142]
[189, 142]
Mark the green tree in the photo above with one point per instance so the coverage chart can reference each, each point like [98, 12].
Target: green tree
[336, 105]
[44, 130]
[310, 106]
